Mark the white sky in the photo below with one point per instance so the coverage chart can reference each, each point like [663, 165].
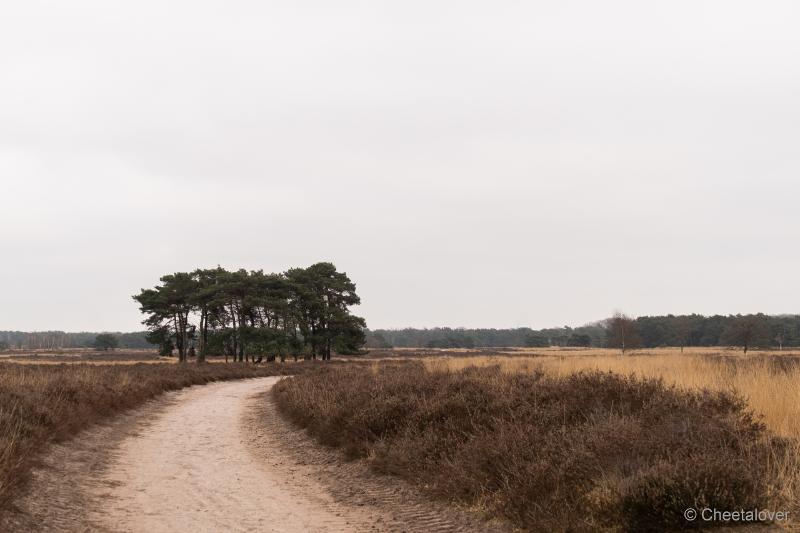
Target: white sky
[493, 164]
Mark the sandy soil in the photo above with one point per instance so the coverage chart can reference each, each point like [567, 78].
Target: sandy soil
[215, 458]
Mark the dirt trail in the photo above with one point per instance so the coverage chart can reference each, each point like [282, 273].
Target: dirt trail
[214, 458]
[190, 471]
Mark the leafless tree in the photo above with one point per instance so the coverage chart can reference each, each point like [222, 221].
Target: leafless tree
[621, 332]
[747, 331]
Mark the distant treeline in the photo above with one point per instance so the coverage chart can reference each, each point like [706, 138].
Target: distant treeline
[590, 335]
[58, 340]
[645, 331]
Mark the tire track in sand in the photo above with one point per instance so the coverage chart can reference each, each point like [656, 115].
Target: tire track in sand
[397, 505]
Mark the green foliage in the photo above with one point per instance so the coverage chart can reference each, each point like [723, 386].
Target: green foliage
[105, 342]
[241, 314]
[454, 340]
[349, 338]
[652, 332]
[376, 340]
[56, 340]
[478, 338]
[537, 340]
[747, 331]
[321, 297]
[161, 338]
[580, 340]
[168, 307]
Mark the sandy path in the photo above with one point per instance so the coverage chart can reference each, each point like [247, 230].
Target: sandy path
[216, 458]
[184, 462]
[191, 470]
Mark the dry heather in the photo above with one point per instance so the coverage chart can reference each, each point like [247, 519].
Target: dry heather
[587, 451]
[769, 382]
[43, 403]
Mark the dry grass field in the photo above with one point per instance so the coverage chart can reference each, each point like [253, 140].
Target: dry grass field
[768, 381]
[491, 445]
[82, 355]
[587, 451]
[527, 435]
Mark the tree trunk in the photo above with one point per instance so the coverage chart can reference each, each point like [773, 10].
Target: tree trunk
[185, 322]
[235, 345]
[176, 322]
[201, 356]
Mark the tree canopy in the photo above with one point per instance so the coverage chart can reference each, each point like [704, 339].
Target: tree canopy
[105, 342]
[746, 332]
[243, 314]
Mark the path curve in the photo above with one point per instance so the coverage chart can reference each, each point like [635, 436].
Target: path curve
[183, 462]
[191, 470]
[216, 457]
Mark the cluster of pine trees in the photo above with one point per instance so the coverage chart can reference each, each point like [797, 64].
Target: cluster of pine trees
[244, 314]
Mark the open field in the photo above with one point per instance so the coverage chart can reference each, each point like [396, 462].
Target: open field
[92, 356]
[474, 427]
[81, 355]
[769, 381]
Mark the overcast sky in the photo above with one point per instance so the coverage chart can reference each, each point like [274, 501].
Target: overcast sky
[493, 164]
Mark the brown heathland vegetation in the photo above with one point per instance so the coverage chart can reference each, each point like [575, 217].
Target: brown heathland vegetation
[768, 381]
[525, 435]
[45, 403]
[548, 451]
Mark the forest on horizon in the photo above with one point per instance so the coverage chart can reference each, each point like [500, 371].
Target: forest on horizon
[771, 331]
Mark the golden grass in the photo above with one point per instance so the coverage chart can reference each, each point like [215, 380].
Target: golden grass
[771, 389]
[629, 454]
[768, 381]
